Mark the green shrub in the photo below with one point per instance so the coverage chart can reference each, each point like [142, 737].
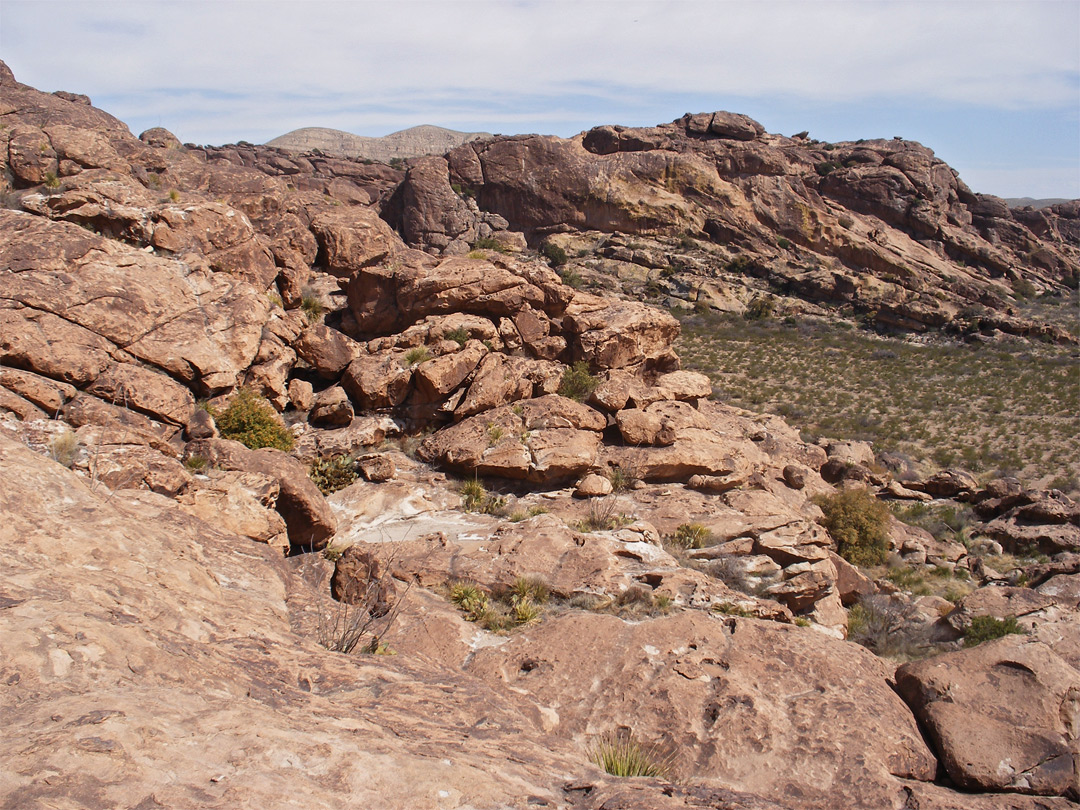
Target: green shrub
[691, 535]
[577, 383]
[624, 755]
[417, 354]
[195, 463]
[51, 181]
[252, 421]
[783, 244]
[826, 168]
[332, 474]
[554, 254]
[760, 308]
[476, 498]
[312, 306]
[988, 628]
[858, 523]
[571, 278]
[460, 336]
[487, 243]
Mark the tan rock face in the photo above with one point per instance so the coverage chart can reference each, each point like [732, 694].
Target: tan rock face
[307, 515]
[353, 238]
[1002, 715]
[702, 692]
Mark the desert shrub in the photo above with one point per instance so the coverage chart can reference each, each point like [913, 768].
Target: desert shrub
[495, 615]
[64, 448]
[846, 222]
[886, 626]
[252, 421]
[625, 475]
[487, 243]
[988, 628]
[601, 516]
[312, 306]
[577, 383]
[858, 523]
[463, 191]
[826, 167]
[417, 354]
[332, 474]
[195, 463]
[51, 181]
[554, 254]
[623, 755]
[571, 278]
[532, 589]
[460, 336]
[783, 244]
[760, 308]
[476, 498]
[691, 535]
[360, 624]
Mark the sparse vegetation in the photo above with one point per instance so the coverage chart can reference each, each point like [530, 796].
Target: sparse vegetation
[195, 463]
[52, 182]
[417, 354]
[691, 535]
[487, 243]
[988, 628]
[858, 522]
[571, 278]
[554, 254]
[521, 605]
[64, 448]
[621, 754]
[333, 474]
[460, 336]
[476, 498]
[577, 383]
[1005, 408]
[886, 626]
[602, 516]
[252, 421]
[312, 305]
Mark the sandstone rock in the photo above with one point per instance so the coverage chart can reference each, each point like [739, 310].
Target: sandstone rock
[689, 666]
[149, 392]
[332, 408]
[437, 378]
[949, 484]
[360, 580]
[376, 467]
[640, 428]
[241, 503]
[301, 394]
[49, 395]
[794, 476]
[1001, 715]
[328, 350]
[307, 515]
[362, 432]
[498, 380]
[353, 238]
[120, 425]
[619, 334]
[376, 382]
[593, 486]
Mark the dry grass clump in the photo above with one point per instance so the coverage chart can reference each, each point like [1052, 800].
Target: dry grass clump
[622, 754]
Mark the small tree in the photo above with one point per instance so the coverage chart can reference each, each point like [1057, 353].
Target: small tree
[859, 523]
[252, 421]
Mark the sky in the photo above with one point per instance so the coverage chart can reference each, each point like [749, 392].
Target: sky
[992, 86]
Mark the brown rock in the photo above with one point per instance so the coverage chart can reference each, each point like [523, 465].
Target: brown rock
[332, 408]
[376, 382]
[593, 486]
[49, 395]
[239, 502]
[328, 350]
[1001, 715]
[617, 334]
[950, 483]
[376, 467]
[359, 579]
[499, 379]
[794, 476]
[437, 378]
[301, 394]
[353, 238]
[307, 515]
[147, 391]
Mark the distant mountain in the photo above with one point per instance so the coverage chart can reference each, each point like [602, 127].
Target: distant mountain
[407, 143]
[1021, 202]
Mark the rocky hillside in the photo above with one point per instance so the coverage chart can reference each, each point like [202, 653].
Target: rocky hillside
[407, 143]
[322, 488]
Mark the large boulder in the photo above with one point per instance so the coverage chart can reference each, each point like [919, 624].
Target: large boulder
[1003, 716]
[699, 687]
[307, 515]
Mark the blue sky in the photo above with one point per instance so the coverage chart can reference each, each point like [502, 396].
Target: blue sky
[993, 86]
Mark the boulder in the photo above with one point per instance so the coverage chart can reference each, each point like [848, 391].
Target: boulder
[238, 502]
[331, 408]
[608, 334]
[376, 382]
[308, 517]
[376, 467]
[146, 391]
[499, 379]
[352, 238]
[435, 379]
[327, 350]
[1002, 716]
[593, 486]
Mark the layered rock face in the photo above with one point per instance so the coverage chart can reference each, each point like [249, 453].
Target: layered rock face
[144, 283]
[882, 225]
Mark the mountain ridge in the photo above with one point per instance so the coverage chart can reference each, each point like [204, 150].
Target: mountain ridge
[425, 139]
